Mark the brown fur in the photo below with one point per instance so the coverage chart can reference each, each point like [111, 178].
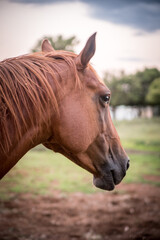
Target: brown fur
[23, 83]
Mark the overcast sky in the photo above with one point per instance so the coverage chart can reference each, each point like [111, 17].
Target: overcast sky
[128, 32]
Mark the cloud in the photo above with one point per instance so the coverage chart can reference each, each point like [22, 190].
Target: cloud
[140, 14]
[44, 2]
[131, 59]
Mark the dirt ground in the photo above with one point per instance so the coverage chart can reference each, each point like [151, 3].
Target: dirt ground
[131, 213]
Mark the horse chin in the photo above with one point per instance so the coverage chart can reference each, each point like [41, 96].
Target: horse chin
[103, 183]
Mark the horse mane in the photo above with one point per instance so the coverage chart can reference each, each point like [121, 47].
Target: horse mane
[26, 94]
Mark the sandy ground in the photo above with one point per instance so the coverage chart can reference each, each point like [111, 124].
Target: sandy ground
[133, 213]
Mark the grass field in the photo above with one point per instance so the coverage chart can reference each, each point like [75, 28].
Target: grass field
[140, 134]
[41, 171]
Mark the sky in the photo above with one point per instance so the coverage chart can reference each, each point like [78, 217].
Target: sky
[128, 31]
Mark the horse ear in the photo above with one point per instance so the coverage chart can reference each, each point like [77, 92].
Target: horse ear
[46, 46]
[87, 53]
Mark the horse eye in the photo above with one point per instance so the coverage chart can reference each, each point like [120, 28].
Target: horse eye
[105, 98]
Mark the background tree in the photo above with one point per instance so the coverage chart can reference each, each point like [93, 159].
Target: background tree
[145, 78]
[125, 89]
[135, 89]
[58, 43]
[153, 96]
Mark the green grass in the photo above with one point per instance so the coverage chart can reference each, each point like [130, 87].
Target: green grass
[140, 134]
[142, 167]
[41, 171]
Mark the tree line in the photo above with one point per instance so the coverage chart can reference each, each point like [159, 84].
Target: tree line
[140, 89]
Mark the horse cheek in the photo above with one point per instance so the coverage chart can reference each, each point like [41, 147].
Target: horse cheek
[75, 131]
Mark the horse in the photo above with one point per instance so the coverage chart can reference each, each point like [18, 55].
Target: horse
[56, 98]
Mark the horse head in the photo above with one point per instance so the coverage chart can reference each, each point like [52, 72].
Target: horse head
[84, 131]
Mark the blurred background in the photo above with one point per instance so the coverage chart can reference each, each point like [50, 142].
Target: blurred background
[128, 60]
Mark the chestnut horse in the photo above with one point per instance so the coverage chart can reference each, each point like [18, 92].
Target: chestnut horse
[57, 99]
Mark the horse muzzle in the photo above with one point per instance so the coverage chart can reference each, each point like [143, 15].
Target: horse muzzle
[108, 179]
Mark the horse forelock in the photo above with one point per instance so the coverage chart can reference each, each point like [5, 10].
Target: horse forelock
[24, 87]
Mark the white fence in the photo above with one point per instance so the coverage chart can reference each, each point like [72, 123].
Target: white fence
[129, 113]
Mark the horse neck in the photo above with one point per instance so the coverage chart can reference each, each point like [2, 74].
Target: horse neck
[31, 133]
[31, 137]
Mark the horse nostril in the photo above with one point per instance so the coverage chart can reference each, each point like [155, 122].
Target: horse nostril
[128, 164]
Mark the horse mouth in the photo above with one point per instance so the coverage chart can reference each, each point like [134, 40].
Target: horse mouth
[106, 182]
